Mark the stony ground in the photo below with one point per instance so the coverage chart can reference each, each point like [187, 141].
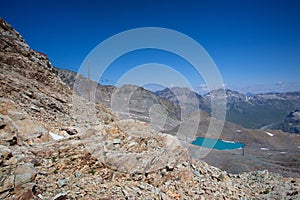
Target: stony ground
[92, 166]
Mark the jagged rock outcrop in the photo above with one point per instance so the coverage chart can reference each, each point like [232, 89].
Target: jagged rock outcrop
[28, 79]
[293, 122]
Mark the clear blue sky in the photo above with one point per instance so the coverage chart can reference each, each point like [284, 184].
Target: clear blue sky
[254, 43]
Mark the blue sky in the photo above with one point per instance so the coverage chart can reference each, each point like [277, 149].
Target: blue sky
[255, 44]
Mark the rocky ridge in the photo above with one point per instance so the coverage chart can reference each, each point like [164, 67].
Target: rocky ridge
[48, 152]
[128, 101]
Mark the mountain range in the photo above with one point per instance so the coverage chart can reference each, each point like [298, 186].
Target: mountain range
[250, 111]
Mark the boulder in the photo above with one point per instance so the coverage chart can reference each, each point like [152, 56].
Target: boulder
[5, 152]
[70, 130]
[24, 174]
[6, 182]
[19, 127]
[24, 192]
[2, 122]
[146, 162]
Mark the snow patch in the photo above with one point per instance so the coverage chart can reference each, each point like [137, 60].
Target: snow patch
[55, 136]
[228, 141]
[270, 134]
[265, 149]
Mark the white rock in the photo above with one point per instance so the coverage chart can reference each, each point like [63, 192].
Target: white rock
[116, 141]
[55, 136]
[270, 134]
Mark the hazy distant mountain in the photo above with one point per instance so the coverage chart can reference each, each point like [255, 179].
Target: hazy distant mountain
[188, 100]
[250, 111]
[260, 110]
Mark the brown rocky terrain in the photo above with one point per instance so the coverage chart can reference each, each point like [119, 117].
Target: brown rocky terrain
[51, 148]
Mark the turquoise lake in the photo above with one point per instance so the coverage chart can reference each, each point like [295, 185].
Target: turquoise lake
[217, 144]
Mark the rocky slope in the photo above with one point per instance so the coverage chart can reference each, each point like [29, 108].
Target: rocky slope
[28, 79]
[102, 93]
[128, 101]
[51, 148]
